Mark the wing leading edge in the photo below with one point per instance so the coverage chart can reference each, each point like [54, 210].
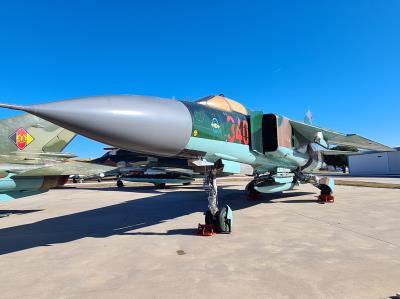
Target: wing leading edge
[310, 132]
[67, 168]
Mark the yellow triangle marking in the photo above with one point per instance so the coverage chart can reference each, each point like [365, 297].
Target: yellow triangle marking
[29, 138]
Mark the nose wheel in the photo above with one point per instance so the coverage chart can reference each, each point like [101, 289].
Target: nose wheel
[224, 218]
[221, 222]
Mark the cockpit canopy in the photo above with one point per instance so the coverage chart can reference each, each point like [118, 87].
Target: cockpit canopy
[223, 103]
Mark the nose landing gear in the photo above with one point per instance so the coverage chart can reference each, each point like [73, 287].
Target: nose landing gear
[216, 220]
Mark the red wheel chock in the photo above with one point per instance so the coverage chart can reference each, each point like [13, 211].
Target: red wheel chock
[206, 230]
[326, 198]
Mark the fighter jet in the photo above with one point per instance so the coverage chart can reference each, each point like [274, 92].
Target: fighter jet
[214, 129]
[31, 160]
[135, 167]
[157, 170]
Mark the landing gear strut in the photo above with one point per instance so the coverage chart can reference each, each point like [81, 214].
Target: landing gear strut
[217, 220]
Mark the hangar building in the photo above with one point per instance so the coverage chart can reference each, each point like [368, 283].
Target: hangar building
[381, 163]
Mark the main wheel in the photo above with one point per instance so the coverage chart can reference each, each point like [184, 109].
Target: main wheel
[74, 180]
[187, 183]
[325, 189]
[252, 193]
[120, 184]
[161, 186]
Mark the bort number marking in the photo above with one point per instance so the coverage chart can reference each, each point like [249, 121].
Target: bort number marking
[239, 130]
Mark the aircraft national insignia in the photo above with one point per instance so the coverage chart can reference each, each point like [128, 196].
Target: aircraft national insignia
[21, 138]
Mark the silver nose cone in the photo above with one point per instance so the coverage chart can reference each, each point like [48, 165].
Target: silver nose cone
[143, 124]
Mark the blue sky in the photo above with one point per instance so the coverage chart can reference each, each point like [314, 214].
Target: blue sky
[341, 59]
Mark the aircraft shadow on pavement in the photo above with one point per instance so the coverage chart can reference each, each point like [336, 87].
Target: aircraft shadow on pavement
[5, 213]
[302, 200]
[123, 218]
[150, 188]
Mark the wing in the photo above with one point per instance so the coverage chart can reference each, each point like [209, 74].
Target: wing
[310, 133]
[347, 153]
[67, 168]
[47, 155]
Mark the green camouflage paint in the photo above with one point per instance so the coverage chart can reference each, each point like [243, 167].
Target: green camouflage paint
[218, 125]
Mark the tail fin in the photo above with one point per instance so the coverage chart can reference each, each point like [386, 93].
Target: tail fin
[31, 134]
[308, 118]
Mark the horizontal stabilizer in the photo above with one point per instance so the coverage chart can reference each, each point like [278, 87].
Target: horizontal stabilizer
[310, 132]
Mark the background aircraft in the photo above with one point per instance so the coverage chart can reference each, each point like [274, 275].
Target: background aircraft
[136, 167]
[158, 170]
[31, 161]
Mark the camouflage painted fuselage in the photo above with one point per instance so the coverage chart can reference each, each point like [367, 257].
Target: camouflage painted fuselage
[237, 137]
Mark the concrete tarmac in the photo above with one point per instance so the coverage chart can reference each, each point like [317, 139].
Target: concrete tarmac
[138, 242]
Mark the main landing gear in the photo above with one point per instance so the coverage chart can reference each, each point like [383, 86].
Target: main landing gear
[252, 193]
[160, 186]
[120, 183]
[325, 184]
[216, 220]
[283, 181]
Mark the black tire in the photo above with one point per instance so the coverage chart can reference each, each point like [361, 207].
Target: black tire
[74, 180]
[209, 219]
[325, 190]
[252, 192]
[161, 186]
[223, 223]
[120, 184]
[99, 180]
[187, 183]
